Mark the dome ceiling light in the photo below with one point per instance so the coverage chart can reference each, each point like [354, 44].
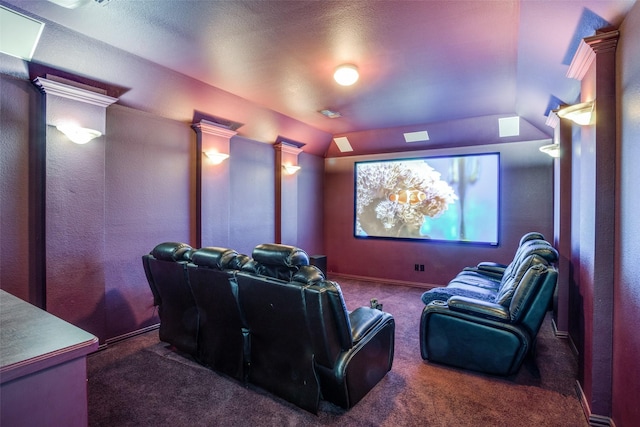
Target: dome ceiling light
[346, 75]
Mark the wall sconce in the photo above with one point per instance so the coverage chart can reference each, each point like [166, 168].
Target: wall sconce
[291, 169]
[581, 114]
[552, 149]
[77, 134]
[215, 157]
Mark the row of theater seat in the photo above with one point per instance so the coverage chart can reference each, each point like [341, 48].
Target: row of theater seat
[487, 317]
[271, 320]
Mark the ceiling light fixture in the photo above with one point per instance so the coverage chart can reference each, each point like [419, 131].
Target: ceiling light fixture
[552, 149]
[582, 114]
[509, 126]
[77, 134]
[330, 113]
[346, 74]
[418, 136]
[19, 34]
[343, 144]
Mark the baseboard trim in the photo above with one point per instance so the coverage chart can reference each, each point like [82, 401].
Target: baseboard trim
[557, 332]
[594, 420]
[129, 335]
[420, 285]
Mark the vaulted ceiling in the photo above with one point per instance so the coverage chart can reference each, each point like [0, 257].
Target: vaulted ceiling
[449, 67]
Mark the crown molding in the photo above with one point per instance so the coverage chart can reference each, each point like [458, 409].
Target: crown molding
[587, 50]
[287, 148]
[211, 128]
[52, 87]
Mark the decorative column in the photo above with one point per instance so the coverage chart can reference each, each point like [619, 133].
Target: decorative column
[286, 187]
[562, 176]
[594, 65]
[72, 196]
[212, 183]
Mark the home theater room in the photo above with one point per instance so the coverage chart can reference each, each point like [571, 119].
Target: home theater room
[341, 213]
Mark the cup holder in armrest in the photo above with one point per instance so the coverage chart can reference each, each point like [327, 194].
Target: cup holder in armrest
[438, 302]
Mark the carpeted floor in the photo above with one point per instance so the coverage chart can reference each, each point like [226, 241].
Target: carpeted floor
[142, 382]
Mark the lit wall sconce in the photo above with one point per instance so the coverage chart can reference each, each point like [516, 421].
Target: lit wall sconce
[290, 169]
[78, 134]
[582, 114]
[552, 149]
[215, 157]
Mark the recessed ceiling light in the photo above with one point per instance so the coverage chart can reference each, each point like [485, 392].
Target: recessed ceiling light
[19, 34]
[509, 126]
[343, 144]
[421, 135]
[346, 75]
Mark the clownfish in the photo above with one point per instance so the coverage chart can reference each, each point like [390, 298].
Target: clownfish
[408, 196]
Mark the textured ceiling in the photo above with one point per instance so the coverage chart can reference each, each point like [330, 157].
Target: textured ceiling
[421, 62]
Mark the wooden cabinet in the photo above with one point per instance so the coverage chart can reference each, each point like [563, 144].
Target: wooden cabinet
[43, 370]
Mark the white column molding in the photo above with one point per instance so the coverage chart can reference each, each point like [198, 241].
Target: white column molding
[586, 53]
[211, 128]
[54, 87]
[72, 103]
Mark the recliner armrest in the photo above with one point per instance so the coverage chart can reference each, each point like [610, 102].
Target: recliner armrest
[481, 308]
[488, 268]
[364, 319]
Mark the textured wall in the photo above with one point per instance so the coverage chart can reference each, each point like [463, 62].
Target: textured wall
[310, 204]
[251, 220]
[626, 339]
[149, 198]
[15, 96]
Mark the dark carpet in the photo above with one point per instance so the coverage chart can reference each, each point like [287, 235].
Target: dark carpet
[142, 382]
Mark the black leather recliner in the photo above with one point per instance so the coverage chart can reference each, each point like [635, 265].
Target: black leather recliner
[222, 338]
[304, 343]
[487, 318]
[272, 320]
[166, 271]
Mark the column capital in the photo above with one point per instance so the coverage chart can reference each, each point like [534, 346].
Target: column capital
[55, 86]
[287, 148]
[212, 128]
[587, 50]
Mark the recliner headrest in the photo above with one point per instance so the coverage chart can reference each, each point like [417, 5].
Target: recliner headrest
[239, 261]
[214, 257]
[274, 254]
[534, 235]
[172, 251]
[308, 274]
[250, 266]
[541, 248]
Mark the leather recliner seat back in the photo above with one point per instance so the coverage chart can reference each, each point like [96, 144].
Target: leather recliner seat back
[221, 342]
[532, 235]
[278, 261]
[166, 270]
[530, 301]
[486, 280]
[329, 320]
[511, 282]
[281, 353]
[541, 248]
